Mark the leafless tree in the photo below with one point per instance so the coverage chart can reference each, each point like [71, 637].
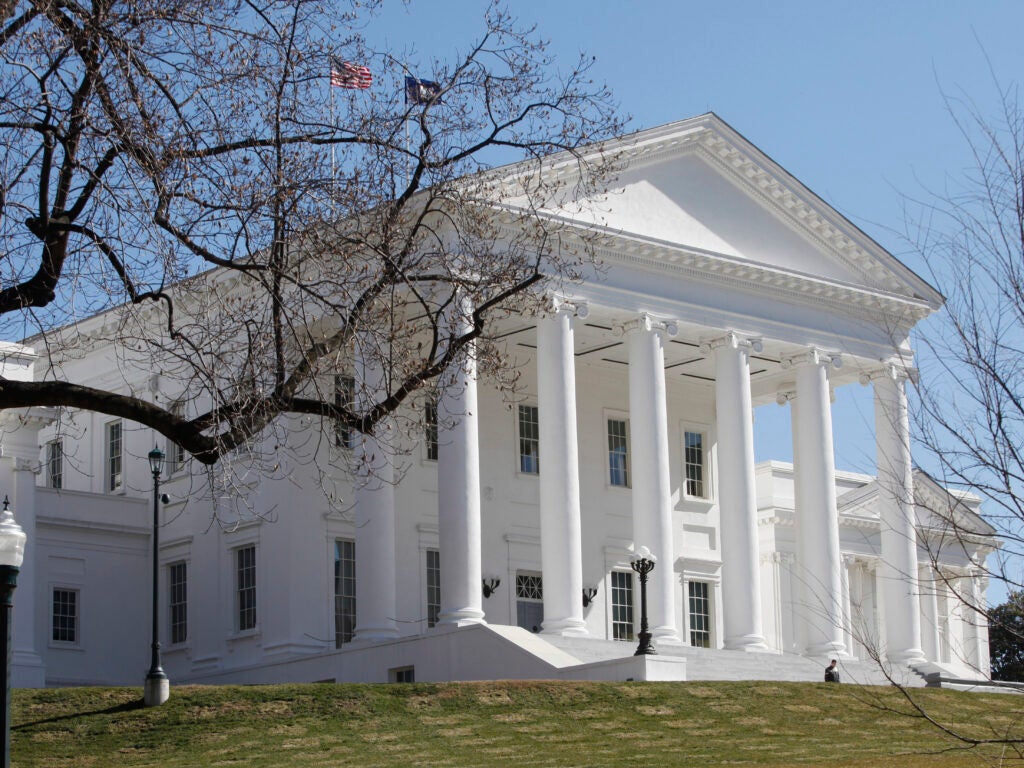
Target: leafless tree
[969, 407]
[970, 413]
[180, 185]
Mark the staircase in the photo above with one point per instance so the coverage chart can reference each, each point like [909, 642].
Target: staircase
[714, 664]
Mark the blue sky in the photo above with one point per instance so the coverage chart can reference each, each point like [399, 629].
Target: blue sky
[846, 96]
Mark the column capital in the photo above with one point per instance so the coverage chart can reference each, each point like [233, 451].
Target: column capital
[784, 396]
[733, 340]
[557, 303]
[34, 418]
[645, 321]
[812, 356]
[891, 370]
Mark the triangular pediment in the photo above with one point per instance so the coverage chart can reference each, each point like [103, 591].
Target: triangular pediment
[699, 186]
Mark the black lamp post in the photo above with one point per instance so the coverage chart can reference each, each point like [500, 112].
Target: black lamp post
[12, 552]
[158, 687]
[643, 563]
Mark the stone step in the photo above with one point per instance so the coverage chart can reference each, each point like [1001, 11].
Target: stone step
[716, 664]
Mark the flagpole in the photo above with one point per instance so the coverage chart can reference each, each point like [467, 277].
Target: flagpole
[334, 127]
[408, 137]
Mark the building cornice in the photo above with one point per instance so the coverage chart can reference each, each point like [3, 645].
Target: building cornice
[737, 274]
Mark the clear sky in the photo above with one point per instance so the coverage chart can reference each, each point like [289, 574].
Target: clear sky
[847, 96]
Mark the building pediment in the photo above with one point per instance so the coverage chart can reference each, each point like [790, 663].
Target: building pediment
[699, 190]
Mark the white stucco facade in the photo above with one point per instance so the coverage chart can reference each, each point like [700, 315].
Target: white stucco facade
[725, 284]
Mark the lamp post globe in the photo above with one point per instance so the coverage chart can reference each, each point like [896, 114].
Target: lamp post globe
[643, 562]
[157, 688]
[12, 554]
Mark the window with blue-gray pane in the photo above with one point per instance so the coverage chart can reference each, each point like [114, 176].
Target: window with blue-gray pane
[430, 428]
[55, 464]
[529, 440]
[693, 449]
[622, 605]
[433, 586]
[245, 587]
[344, 393]
[65, 615]
[114, 447]
[618, 453]
[177, 589]
[344, 591]
[700, 614]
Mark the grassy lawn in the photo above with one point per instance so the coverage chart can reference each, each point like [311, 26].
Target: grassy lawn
[505, 723]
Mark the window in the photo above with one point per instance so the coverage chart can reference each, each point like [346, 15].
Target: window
[402, 675]
[176, 455]
[430, 429]
[65, 615]
[245, 564]
[618, 453]
[529, 601]
[177, 589]
[433, 586]
[529, 440]
[622, 605]
[344, 393]
[55, 464]
[114, 447]
[693, 457]
[344, 591]
[700, 614]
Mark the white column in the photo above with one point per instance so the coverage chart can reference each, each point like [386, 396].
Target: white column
[19, 450]
[737, 492]
[896, 509]
[974, 627]
[652, 491]
[928, 581]
[979, 586]
[374, 505]
[858, 623]
[817, 520]
[560, 534]
[848, 636]
[458, 486]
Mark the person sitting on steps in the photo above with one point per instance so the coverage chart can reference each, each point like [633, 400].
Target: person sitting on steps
[832, 673]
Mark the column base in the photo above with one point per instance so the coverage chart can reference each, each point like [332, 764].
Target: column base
[832, 649]
[565, 628]
[908, 657]
[666, 635]
[462, 617]
[749, 643]
[156, 691]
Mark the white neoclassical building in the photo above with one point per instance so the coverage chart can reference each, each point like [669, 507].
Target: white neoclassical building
[500, 547]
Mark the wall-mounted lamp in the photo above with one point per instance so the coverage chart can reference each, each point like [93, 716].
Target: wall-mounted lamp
[491, 584]
[588, 595]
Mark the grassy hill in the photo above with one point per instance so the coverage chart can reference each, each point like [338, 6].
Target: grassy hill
[508, 723]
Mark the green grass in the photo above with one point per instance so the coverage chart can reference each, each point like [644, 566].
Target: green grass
[505, 723]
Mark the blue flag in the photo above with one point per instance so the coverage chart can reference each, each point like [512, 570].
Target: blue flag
[421, 91]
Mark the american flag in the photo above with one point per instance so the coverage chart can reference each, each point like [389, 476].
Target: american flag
[345, 74]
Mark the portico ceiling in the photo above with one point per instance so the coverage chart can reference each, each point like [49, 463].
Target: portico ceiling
[601, 343]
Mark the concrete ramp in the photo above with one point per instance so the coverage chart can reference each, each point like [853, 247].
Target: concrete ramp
[475, 652]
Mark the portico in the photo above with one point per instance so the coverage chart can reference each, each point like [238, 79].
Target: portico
[578, 339]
